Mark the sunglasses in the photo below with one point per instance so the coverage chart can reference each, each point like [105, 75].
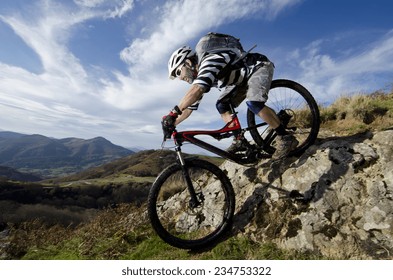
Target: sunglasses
[178, 70]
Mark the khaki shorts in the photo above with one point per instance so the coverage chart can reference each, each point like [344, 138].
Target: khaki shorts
[256, 88]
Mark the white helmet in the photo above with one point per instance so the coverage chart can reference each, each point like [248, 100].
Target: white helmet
[177, 58]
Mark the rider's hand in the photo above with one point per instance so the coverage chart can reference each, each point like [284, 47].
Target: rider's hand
[168, 122]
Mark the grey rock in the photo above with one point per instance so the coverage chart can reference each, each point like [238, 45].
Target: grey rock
[335, 200]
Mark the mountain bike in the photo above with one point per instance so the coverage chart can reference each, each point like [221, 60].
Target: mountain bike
[191, 204]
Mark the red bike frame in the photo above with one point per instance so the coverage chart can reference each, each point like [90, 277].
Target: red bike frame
[233, 128]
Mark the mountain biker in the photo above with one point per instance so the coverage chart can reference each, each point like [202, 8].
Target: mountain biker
[250, 77]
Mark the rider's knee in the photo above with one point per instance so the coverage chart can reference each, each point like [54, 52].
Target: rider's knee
[223, 107]
[255, 106]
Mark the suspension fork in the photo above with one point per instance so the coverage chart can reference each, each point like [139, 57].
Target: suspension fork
[194, 202]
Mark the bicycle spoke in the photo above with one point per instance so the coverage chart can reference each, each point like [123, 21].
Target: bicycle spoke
[182, 220]
[296, 109]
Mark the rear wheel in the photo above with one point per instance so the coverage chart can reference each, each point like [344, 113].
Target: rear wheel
[298, 112]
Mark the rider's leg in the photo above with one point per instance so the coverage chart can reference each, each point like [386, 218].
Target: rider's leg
[257, 94]
[225, 105]
[224, 110]
[259, 83]
[269, 116]
[226, 117]
[230, 99]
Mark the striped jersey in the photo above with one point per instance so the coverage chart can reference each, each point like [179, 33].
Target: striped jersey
[212, 64]
[210, 67]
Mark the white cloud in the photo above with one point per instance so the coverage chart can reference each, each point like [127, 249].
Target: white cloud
[47, 35]
[107, 8]
[63, 98]
[275, 7]
[328, 77]
[124, 7]
[182, 21]
[89, 3]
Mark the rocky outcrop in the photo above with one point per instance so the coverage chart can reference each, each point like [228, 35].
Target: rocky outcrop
[4, 242]
[336, 199]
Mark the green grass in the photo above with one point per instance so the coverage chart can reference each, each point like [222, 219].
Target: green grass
[358, 113]
[120, 179]
[115, 235]
[153, 248]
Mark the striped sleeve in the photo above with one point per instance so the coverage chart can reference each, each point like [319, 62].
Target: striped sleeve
[209, 68]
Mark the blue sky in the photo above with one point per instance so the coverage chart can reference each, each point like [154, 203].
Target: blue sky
[87, 68]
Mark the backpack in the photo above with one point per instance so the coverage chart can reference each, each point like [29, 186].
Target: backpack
[216, 42]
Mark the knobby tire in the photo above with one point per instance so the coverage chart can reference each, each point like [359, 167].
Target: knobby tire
[176, 221]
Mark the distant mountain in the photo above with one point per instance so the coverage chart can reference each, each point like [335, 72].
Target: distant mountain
[137, 149]
[145, 164]
[10, 135]
[49, 157]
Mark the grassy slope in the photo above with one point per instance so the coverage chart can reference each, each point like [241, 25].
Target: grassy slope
[358, 113]
[113, 236]
[140, 167]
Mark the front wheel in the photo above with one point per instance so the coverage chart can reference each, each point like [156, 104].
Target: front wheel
[298, 112]
[181, 222]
